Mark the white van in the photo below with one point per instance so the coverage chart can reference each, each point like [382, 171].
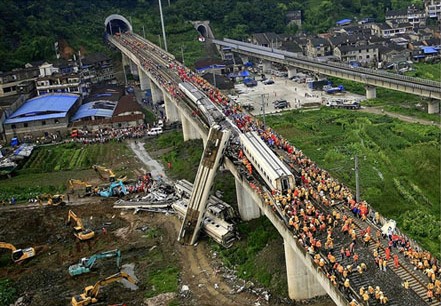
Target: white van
[155, 131]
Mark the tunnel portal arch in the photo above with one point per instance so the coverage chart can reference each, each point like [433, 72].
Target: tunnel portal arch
[202, 29]
[117, 24]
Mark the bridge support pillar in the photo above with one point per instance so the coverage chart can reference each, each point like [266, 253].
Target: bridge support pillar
[292, 72]
[188, 130]
[133, 68]
[144, 81]
[244, 58]
[302, 284]
[371, 92]
[266, 66]
[248, 210]
[433, 107]
[171, 110]
[156, 92]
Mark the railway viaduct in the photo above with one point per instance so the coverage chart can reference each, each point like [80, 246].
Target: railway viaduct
[369, 77]
[149, 62]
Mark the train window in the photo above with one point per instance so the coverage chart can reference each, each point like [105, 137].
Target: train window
[285, 184]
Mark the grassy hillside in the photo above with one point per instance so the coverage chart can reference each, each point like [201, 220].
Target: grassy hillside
[49, 168]
[399, 162]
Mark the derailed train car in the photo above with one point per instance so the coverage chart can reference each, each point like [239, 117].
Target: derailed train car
[219, 230]
[273, 171]
[208, 109]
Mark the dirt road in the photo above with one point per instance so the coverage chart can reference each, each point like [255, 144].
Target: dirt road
[380, 111]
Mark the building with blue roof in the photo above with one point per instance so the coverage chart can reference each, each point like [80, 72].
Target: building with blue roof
[42, 115]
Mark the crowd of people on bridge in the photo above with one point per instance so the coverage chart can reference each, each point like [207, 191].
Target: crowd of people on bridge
[321, 212]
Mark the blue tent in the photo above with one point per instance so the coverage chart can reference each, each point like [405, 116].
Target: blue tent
[248, 64]
[244, 73]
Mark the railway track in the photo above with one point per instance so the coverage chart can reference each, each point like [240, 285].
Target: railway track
[404, 271]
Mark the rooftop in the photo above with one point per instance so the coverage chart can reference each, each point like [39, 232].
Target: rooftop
[48, 106]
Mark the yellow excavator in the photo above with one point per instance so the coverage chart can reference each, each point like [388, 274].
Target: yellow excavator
[73, 184]
[89, 296]
[108, 174]
[80, 232]
[18, 255]
[51, 200]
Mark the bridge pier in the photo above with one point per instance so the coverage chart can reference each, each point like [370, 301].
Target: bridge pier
[248, 210]
[292, 71]
[133, 67]
[144, 81]
[188, 130]
[171, 110]
[371, 92]
[301, 282]
[156, 92]
[433, 107]
[266, 66]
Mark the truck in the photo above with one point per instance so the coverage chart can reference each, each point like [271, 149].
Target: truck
[329, 89]
[345, 104]
[86, 264]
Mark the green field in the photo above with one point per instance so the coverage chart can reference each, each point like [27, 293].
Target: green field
[399, 162]
[50, 167]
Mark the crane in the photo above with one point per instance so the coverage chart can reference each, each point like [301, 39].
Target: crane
[86, 263]
[106, 173]
[89, 296]
[18, 255]
[80, 232]
[73, 183]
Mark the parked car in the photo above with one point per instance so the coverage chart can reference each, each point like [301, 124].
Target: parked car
[268, 82]
[248, 107]
[280, 104]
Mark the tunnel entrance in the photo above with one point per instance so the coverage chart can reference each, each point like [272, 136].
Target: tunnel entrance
[117, 24]
[202, 30]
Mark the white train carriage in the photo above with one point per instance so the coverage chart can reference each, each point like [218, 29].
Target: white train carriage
[215, 206]
[210, 111]
[219, 230]
[272, 170]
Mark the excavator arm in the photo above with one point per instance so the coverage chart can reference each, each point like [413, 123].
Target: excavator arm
[80, 232]
[86, 264]
[108, 174]
[89, 296]
[18, 255]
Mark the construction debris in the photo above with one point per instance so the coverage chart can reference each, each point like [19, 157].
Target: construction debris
[164, 198]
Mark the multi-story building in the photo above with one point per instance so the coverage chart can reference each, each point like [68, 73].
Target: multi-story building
[9, 81]
[62, 79]
[42, 115]
[385, 30]
[97, 68]
[412, 15]
[433, 9]
[365, 54]
[317, 47]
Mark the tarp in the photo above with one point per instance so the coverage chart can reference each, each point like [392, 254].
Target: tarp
[429, 50]
[244, 73]
[344, 21]
[248, 64]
